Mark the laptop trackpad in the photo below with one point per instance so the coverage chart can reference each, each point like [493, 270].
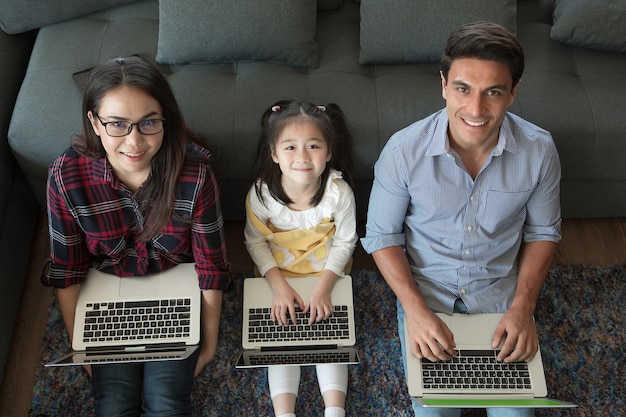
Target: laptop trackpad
[470, 333]
[136, 286]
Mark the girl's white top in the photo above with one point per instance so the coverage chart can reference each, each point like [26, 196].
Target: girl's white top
[337, 204]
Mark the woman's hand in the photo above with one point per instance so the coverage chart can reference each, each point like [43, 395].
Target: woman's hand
[211, 313]
[206, 355]
[68, 298]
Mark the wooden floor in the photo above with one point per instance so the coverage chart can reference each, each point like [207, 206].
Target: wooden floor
[590, 241]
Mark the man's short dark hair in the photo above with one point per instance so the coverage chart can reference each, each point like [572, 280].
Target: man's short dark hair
[487, 41]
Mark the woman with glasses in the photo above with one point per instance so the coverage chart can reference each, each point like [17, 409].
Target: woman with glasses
[134, 195]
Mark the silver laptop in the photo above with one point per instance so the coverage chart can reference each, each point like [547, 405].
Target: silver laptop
[474, 379]
[328, 341]
[136, 319]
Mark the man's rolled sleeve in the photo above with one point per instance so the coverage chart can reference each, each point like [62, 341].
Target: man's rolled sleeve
[543, 220]
[543, 233]
[388, 204]
[373, 243]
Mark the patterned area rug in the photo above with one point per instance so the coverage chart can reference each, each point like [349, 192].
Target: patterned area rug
[579, 319]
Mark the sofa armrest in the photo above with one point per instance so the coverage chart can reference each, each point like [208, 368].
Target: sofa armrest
[18, 209]
[15, 52]
[17, 16]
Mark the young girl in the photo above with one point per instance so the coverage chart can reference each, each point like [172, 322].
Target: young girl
[303, 158]
[135, 195]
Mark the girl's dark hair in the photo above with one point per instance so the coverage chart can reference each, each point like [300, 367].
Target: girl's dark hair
[487, 41]
[157, 198]
[328, 118]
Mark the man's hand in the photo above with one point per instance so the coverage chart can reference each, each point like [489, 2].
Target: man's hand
[517, 325]
[430, 337]
[517, 330]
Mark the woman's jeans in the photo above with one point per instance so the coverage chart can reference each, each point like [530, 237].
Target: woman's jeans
[459, 307]
[149, 389]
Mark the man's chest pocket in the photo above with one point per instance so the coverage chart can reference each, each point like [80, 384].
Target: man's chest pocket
[503, 209]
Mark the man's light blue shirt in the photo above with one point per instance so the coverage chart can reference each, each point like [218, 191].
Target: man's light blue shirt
[462, 236]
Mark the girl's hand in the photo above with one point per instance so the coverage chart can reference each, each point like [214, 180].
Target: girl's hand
[284, 298]
[319, 304]
[284, 304]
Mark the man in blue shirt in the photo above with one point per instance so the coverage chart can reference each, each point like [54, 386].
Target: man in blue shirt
[464, 213]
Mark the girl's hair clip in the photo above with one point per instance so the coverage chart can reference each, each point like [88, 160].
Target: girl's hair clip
[321, 108]
[275, 108]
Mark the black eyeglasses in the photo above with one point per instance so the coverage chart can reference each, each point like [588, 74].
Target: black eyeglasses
[121, 128]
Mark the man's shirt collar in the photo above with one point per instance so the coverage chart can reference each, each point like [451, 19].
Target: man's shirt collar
[440, 144]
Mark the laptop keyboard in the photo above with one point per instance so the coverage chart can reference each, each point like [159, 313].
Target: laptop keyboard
[475, 369]
[137, 320]
[262, 329]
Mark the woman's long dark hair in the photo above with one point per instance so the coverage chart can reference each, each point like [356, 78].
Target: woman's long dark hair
[157, 198]
[328, 118]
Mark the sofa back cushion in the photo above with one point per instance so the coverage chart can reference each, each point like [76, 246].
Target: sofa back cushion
[206, 31]
[597, 24]
[18, 16]
[409, 31]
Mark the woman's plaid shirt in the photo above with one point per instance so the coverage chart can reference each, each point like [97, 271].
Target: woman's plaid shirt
[94, 220]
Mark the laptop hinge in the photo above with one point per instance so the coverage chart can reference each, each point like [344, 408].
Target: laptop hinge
[283, 348]
[459, 395]
[135, 348]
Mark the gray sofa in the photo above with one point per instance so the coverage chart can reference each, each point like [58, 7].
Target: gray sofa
[18, 209]
[228, 61]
